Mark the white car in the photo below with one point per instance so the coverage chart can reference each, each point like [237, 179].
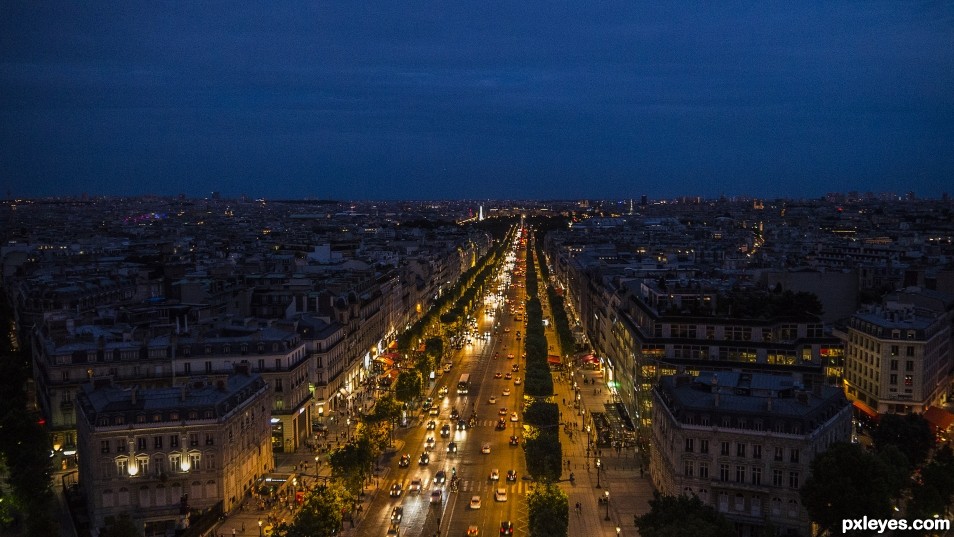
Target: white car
[513, 416]
[492, 400]
[506, 391]
[415, 486]
[495, 475]
[500, 494]
[516, 381]
[475, 502]
[485, 448]
[437, 496]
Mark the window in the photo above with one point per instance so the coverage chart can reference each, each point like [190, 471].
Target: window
[210, 461]
[209, 439]
[756, 451]
[723, 472]
[157, 442]
[893, 378]
[120, 446]
[193, 439]
[793, 455]
[777, 506]
[173, 441]
[909, 380]
[703, 446]
[195, 459]
[740, 474]
[778, 454]
[756, 475]
[739, 502]
[776, 478]
[278, 385]
[208, 367]
[894, 365]
[689, 445]
[724, 449]
[278, 364]
[104, 446]
[122, 466]
[187, 367]
[704, 470]
[141, 444]
[689, 469]
[723, 502]
[909, 366]
[894, 352]
[740, 449]
[909, 351]
[793, 480]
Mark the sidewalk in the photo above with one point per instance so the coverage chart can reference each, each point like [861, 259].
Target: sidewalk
[623, 474]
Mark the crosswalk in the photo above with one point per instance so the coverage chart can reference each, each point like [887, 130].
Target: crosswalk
[471, 485]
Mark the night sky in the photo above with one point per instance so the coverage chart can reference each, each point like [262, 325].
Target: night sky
[445, 100]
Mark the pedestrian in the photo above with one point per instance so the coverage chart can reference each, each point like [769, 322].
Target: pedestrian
[233, 532]
[641, 470]
[243, 527]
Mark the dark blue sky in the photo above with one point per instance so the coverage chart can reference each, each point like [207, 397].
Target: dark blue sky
[436, 100]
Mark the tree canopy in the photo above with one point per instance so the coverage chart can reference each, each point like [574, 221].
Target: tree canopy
[679, 516]
[548, 511]
[911, 433]
[847, 482]
[321, 514]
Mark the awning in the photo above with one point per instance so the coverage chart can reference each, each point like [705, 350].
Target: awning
[343, 392]
[865, 409]
[938, 417]
[554, 359]
[384, 359]
[393, 374]
[393, 345]
[590, 358]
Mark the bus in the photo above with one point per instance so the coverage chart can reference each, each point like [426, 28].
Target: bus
[463, 385]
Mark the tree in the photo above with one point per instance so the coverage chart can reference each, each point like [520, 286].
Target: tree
[424, 365]
[932, 494]
[351, 464]
[320, 515]
[542, 414]
[677, 516]
[847, 482]
[544, 455]
[911, 433]
[408, 386]
[548, 511]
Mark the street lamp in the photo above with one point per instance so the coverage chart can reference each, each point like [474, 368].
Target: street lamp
[618, 529]
[317, 461]
[259, 528]
[598, 465]
[606, 501]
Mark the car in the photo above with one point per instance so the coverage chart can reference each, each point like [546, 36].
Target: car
[434, 411]
[500, 494]
[445, 430]
[415, 485]
[492, 400]
[507, 330]
[427, 403]
[431, 425]
[461, 425]
[424, 460]
[397, 514]
[497, 375]
[472, 531]
[514, 441]
[437, 495]
[508, 376]
[495, 475]
[452, 447]
[513, 416]
[455, 415]
[393, 531]
[485, 448]
[511, 475]
[429, 441]
[396, 490]
[516, 381]
[510, 356]
[440, 477]
[475, 502]
[506, 528]
[405, 460]
[506, 392]
[515, 368]
[502, 411]
[501, 424]
[447, 368]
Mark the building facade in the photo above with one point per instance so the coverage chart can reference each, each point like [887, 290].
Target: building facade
[159, 455]
[744, 443]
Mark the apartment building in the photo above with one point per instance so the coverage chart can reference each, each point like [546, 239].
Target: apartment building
[160, 455]
[744, 443]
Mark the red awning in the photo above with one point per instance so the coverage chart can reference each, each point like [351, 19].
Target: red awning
[938, 417]
[870, 412]
[393, 374]
[554, 359]
[590, 358]
[393, 345]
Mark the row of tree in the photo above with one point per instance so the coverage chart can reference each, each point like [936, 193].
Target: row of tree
[26, 496]
[547, 505]
[557, 308]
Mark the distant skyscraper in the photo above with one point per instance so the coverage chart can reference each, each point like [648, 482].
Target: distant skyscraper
[643, 201]
[481, 213]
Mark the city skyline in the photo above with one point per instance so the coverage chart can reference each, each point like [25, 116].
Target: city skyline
[432, 102]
